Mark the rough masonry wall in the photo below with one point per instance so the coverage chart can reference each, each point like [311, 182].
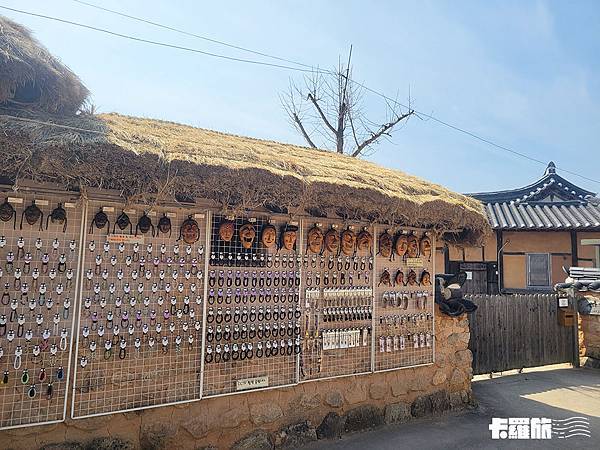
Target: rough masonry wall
[589, 335]
[359, 402]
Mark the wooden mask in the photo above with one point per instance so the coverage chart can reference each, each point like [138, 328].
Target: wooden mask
[332, 241]
[399, 278]
[348, 242]
[385, 244]
[268, 236]
[364, 241]
[425, 279]
[401, 245]
[189, 231]
[315, 240]
[426, 247]
[289, 234]
[247, 235]
[413, 246]
[226, 230]
[412, 278]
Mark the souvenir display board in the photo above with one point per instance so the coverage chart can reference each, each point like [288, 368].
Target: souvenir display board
[172, 305]
[404, 334]
[139, 335]
[39, 254]
[337, 322]
[252, 336]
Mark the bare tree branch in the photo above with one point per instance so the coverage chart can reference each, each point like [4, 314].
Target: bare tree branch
[312, 98]
[383, 130]
[303, 131]
[328, 111]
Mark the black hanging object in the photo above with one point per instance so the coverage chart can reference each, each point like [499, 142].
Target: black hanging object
[122, 222]
[7, 212]
[164, 225]
[100, 220]
[144, 224]
[58, 215]
[32, 214]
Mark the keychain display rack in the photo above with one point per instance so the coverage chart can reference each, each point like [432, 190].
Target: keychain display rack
[170, 305]
[39, 255]
[404, 299]
[139, 333]
[252, 334]
[337, 301]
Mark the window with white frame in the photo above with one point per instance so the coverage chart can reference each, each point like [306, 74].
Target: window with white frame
[538, 270]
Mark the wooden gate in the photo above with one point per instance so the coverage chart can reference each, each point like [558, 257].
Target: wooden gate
[517, 331]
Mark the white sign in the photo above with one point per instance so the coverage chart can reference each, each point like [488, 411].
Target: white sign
[125, 239]
[469, 275]
[563, 302]
[414, 262]
[251, 383]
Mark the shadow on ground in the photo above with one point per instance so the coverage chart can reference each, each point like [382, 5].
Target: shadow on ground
[554, 394]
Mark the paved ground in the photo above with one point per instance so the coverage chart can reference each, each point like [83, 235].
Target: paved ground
[555, 394]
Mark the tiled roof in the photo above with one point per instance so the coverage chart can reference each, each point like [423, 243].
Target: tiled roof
[551, 203]
[512, 215]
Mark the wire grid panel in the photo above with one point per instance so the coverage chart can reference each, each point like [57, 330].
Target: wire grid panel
[337, 300]
[252, 331]
[403, 317]
[140, 322]
[39, 264]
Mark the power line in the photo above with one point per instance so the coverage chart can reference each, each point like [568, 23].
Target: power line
[187, 33]
[281, 66]
[373, 91]
[162, 44]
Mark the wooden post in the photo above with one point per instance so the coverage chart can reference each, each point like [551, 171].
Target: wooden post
[500, 260]
[574, 250]
[573, 301]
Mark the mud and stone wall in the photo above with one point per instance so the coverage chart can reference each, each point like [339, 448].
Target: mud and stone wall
[283, 418]
[589, 336]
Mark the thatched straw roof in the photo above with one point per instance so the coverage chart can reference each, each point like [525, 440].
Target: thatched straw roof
[144, 158]
[31, 76]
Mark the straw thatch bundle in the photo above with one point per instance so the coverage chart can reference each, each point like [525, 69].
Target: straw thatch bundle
[30, 76]
[150, 160]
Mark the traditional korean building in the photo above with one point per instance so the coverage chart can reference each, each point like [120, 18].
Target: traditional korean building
[538, 229]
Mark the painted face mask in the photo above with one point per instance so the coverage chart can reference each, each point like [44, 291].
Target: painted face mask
[385, 244]
[226, 230]
[364, 241]
[332, 241]
[399, 278]
[247, 235]
[189, 231]
[413, 246]
[425, 245]
[315, 240]
[412, 278]
[348, 242]
[425, 279]
[289, 234]
[401, 245]
[268, 236]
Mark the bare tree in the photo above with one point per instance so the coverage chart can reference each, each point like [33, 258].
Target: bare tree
[328, 109]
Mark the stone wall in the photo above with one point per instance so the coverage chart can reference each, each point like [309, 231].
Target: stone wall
[589, 336]
[282, 417]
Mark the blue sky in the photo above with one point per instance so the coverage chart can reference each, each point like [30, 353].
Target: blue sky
[524, 74]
